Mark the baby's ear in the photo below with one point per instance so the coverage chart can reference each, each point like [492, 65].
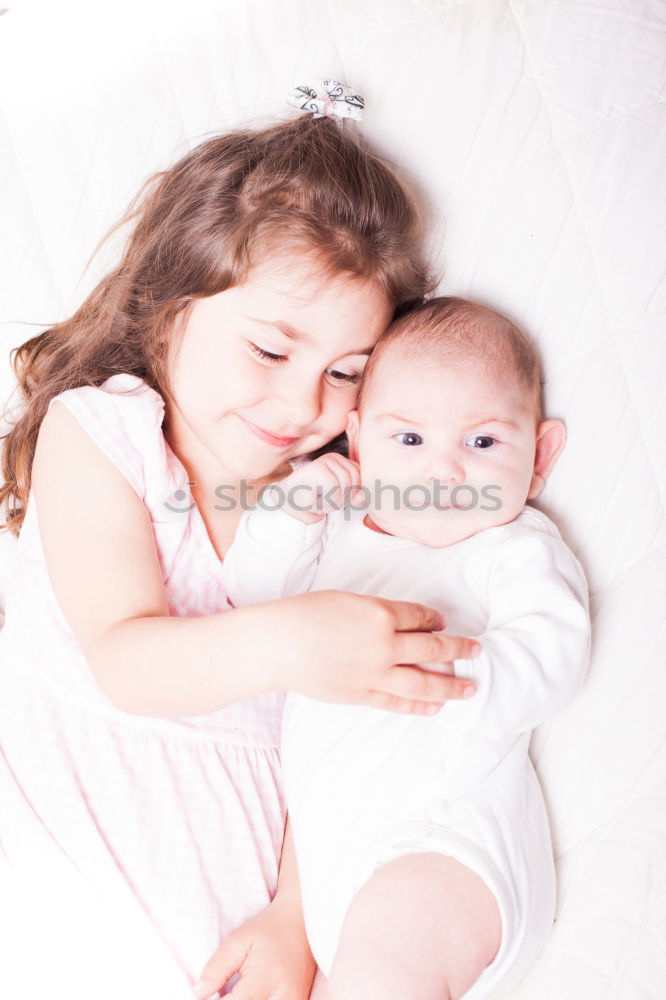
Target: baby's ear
[550, 439]
[352, 434]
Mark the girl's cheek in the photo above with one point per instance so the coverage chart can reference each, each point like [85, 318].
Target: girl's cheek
[337, 408]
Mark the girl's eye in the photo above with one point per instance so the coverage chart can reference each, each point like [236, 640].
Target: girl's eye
[482, 441]
[267, 355]
[349, 378]
[409, 438]
[352, 378]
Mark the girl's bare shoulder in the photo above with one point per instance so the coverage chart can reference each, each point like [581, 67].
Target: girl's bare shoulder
[95, 531]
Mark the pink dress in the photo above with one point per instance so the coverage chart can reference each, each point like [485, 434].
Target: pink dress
[129, 846]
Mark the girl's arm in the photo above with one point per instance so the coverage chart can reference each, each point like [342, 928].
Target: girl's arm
[101, 558]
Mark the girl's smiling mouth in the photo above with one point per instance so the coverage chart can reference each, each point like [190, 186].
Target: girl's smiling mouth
[273, 439]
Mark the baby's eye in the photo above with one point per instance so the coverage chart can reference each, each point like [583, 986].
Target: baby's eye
[352, 378]
[267, 355]
[481, 441]
[409, 438]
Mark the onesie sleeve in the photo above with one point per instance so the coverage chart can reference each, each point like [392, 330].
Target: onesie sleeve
[273, 555]
[535, 649]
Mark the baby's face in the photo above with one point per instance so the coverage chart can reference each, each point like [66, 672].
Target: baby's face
[452, 448]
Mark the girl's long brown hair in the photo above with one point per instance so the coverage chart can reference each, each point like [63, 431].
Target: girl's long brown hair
[306, 183]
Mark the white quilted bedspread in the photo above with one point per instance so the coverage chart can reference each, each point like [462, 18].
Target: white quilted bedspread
[536, 130]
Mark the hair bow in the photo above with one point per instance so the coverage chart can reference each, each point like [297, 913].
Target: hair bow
[327, 99]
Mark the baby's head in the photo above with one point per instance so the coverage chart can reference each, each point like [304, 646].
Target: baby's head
[448, 429]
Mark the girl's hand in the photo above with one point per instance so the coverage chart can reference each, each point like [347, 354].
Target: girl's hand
[329, 483]
[363, 650]
[271, 955]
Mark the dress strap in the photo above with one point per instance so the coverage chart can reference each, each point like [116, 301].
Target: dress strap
[124, 418]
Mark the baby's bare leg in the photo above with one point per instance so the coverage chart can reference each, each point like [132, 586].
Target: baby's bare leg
[423, 927]
[320, 987]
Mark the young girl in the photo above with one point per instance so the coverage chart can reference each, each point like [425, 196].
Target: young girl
[142, 811]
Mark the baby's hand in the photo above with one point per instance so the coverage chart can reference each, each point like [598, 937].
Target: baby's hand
[329, 483]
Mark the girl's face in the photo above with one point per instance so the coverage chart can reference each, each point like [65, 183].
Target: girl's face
[269, 369]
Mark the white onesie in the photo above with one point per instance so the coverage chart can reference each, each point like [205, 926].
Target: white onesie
[364, 786]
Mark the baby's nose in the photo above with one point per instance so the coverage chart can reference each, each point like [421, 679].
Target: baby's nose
[445, 469]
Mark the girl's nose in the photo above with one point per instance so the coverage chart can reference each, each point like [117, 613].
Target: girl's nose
[300, 405]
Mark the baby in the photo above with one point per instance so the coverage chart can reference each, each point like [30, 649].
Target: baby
[450, 443]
